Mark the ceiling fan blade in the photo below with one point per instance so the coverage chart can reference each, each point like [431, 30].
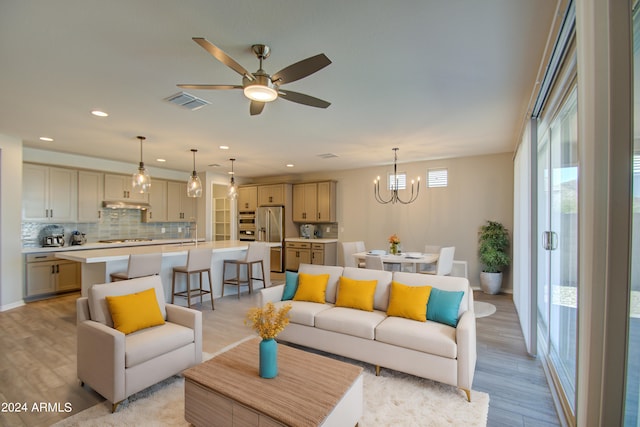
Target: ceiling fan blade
[300, 69]
[221, 56]
[301, 98]
[210, 87]
[256, 108]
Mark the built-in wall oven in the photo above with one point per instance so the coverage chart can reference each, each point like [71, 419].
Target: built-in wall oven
[247, 226]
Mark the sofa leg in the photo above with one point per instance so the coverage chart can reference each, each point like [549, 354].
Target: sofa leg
[114, 406]
[377, 370]
[468, 393]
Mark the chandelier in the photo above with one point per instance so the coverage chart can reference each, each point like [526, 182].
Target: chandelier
[141, 181]
[394, 197]
[232, 189]
[194, 186]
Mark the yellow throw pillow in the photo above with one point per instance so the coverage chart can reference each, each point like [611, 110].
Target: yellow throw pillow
[409, 301]
[311, 287]
[356, 293]
[133, 312]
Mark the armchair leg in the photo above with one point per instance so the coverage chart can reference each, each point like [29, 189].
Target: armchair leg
[377, 370]
[468, 393]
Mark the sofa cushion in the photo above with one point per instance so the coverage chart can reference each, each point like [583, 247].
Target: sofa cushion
[135, 311]
[381, 297]
[356, 294]
[98, 308]
[427, 337]
[334, 271]
[348, 321]
[303, 312]
[409, 301]
[290, 285]
[443, 306]
[311, 287]
[152, 342]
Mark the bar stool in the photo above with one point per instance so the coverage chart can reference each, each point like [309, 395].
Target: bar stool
[140, 265]
[255, 255]
[198, 261]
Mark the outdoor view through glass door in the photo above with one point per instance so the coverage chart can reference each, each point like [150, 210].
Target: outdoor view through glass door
[558, 248]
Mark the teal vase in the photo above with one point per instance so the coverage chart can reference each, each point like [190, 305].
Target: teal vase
[268, 358]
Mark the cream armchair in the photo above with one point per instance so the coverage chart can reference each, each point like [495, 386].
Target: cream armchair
[117, 365]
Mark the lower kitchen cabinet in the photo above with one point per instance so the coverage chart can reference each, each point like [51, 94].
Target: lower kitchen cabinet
[309, 253]
[47, 274]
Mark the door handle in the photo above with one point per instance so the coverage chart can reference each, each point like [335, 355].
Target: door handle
[549, 240]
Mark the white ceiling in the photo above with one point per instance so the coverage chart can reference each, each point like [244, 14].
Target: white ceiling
[436, 78]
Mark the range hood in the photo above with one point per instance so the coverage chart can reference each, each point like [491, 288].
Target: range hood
[119, 204]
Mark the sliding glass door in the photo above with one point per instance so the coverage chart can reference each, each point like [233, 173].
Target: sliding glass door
[558, 247]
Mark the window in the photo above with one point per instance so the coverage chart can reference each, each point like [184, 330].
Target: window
[400, 178]
[437, 177]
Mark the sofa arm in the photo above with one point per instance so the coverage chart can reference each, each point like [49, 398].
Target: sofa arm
[101, 359]
[188, 318]
[82, 310]
[271, 294]
[466, 340]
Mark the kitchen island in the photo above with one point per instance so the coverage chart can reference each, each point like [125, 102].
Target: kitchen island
[98, 264]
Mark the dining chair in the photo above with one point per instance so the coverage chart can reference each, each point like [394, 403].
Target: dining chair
[444, 265]
[350, 248]
[373, 262]
[198, 261]
[255, 256]
[140, 265]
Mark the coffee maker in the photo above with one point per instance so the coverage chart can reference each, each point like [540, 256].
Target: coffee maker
[307, 231]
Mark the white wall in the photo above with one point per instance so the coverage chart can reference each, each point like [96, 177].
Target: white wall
[11, 266]
[480, 189]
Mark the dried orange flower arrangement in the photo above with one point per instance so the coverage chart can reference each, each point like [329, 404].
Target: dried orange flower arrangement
[267, 321]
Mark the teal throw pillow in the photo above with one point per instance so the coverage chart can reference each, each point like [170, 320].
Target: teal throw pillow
[443, 306]
[290, 285]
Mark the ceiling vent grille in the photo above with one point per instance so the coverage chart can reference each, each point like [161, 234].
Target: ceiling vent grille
[188, 101]
[327, 155]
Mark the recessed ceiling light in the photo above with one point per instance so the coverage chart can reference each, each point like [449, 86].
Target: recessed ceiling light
[161, 160]
[46, 138]
[224, 147]
[99, 113]
[289, 165]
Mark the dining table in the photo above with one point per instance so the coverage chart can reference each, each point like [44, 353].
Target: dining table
[409, 259]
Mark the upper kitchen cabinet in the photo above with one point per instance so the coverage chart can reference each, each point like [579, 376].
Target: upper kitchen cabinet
[118, 187]
[49, 193]
[179, 206]
[247, 198]
[90, 196]
[272, 194]
[314, 202]
[158, 199]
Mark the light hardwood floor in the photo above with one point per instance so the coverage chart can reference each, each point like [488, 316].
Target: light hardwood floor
[38, 360]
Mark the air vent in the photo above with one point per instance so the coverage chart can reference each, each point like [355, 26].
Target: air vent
[186, 100]
[327, 155]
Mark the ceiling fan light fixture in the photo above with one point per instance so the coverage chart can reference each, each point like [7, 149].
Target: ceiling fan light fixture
[260, 93]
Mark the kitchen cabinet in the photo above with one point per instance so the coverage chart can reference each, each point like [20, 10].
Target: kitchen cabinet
[180, 207]
[118, 187]
[297, 253]
[324, 253]
[158, 199]
[46, 274]
[90, 196]
[49, 193]
[314, 202]
[272, 194]
[247, 198]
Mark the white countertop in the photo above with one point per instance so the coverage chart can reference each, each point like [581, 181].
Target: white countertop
[99, 245]
[118, 253]
[303, 240]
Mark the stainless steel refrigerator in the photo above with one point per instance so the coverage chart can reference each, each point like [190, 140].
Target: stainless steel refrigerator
[270, 228]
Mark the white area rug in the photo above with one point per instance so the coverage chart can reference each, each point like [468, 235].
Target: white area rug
[392, 399]
[483, 309]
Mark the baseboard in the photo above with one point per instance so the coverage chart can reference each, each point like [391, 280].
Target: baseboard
[11, 306]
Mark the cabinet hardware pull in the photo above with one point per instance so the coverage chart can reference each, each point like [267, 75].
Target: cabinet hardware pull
[53, 269]
[58, 268]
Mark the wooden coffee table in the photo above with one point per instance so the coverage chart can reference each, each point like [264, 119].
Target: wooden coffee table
[310, 390]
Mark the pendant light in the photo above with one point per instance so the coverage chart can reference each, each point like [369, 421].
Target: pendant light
[141, 181]
[394, 197]
[232, 190]
[194, 186]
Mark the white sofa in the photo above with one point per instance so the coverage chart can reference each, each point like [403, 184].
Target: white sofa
[118, 365]
[426, 349]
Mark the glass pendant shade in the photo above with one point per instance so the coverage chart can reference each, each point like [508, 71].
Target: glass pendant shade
[194, 186]
[141, 181]
[232, 189]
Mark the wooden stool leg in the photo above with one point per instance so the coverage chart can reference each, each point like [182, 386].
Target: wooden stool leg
[224, 270]
[211, 289]
[200, 274]
[264, 282]
[173, 286]
[238, 278]
[250, 277]
[188, 289]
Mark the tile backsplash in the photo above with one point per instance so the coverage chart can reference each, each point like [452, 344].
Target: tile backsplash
[115, 224]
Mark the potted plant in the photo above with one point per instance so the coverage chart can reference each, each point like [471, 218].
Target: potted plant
[493, 245]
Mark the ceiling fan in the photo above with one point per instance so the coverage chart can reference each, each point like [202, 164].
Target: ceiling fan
[261, 87]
